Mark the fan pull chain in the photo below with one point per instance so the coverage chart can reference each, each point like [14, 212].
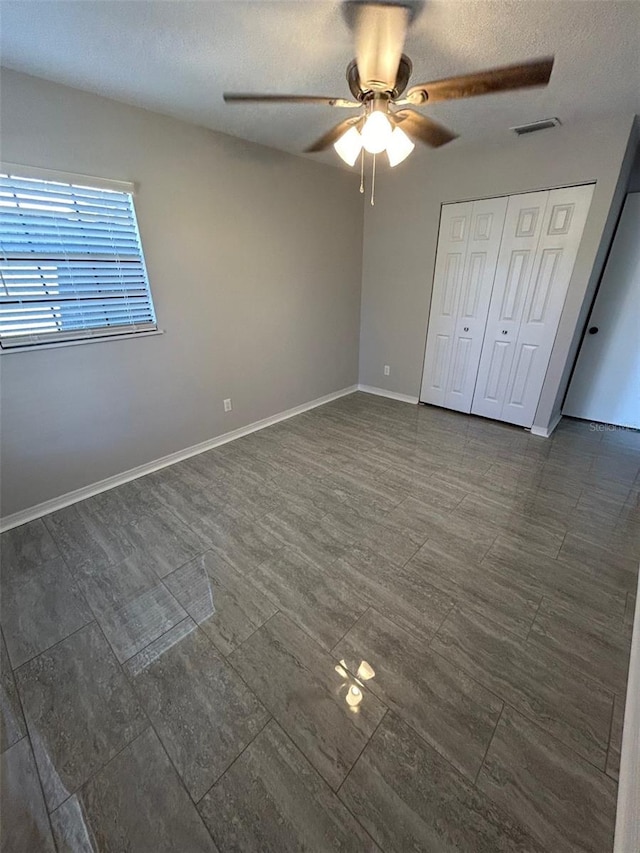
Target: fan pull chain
[362, 172]
[373, 182]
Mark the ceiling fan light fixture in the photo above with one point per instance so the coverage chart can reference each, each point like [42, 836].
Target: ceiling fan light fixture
[376, 132]
[349, 146]
[399, 147]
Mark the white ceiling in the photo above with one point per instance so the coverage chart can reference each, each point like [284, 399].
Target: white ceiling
[178, 57]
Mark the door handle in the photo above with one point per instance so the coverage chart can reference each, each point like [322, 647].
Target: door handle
[466, 329]
[504, 332]
[593, 330]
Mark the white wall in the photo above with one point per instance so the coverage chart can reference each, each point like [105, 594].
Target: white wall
[401, 234]
[254, 260]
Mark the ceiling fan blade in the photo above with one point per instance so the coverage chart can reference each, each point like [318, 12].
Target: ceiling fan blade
[331, 136]
[380, 31]
[422, 128]
[247, 98]
[522, 76]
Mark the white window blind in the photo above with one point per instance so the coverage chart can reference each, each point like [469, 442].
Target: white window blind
[71, 264]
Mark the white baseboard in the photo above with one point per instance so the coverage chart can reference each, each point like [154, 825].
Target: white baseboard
[392, 395]
[44, 508]
[545, 432]
[627, 835]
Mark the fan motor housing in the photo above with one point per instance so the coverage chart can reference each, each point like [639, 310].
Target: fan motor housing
[353, 79]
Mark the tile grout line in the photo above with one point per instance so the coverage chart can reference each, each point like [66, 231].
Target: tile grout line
[368, 741]
[151, 726]
[221, 776]
[437, 631]
[335, 792]
[324, 651]
[119, 665]
[57, 643]
[113, 565]
[523, 713]
[535, 616]
[27, 735]
[349, 629]
[160, 582]
[98, 770]
[486, 752]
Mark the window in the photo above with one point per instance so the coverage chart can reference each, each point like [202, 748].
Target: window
[71, 263]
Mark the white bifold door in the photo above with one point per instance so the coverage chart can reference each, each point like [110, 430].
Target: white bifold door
[468, 247]
[496, 304]
[540, 242]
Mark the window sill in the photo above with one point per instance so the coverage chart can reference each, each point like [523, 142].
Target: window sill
[81, 341]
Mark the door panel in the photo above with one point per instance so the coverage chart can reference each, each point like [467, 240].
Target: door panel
[441, 361]
[461, 365]
[521, 383]
[606, 383]
[562, 229]
[486, 224]
[473, 285]
[543, 285]
[523, 226]
[447, 279]
[515, 285]
[497, 372]
[459, 227]
[450, 284]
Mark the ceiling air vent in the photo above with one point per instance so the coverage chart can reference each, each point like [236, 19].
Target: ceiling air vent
[543, 124]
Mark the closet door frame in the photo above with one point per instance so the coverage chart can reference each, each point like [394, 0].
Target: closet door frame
[507, 196]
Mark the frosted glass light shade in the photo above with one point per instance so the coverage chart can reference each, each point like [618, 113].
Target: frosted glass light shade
[376, 133]
[354, 696]
[349, 146]
[399, 147]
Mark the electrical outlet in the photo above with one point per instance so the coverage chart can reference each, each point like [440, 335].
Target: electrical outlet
[227, 404]
[387, 370]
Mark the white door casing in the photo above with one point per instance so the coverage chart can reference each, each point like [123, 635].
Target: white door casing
[502, 272]
[522, 228]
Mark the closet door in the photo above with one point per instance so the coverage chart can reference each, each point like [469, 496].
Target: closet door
[487, 222]
[468, 247]
[564, 222]
[455, 223]
[522, 229]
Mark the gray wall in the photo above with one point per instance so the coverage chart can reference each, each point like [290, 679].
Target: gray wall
[254, 260]
[634, 178]
[401, 232]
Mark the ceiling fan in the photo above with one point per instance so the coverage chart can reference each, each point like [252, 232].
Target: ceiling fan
[386, 118]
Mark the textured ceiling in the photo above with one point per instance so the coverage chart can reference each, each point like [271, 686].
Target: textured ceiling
[178, 57]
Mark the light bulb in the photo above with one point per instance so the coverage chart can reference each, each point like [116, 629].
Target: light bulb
[349, 146]
[399, 147]
[376, 132]
[354, 697]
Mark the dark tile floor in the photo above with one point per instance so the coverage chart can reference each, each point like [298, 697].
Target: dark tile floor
[375, 626]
